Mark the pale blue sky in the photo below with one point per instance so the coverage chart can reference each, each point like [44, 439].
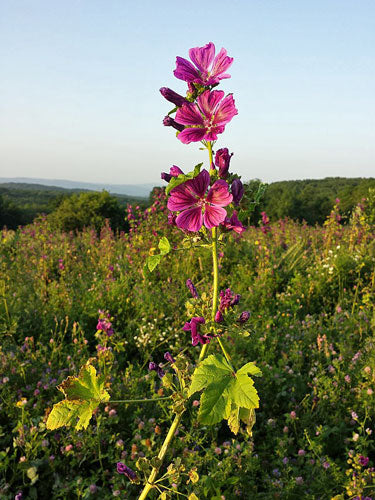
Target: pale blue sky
[79, 87]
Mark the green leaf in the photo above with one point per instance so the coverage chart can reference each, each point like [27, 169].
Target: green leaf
[212, 368]
[176, 181]
[250, 369]
[153, 261]
[82, 395]
[215, 401]
[233, 420]
[164, 246]
[244, 393]
[248, 417]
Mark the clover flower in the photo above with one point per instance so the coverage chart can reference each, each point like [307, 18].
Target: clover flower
[208, 69]
[197, 207]
[207, 118]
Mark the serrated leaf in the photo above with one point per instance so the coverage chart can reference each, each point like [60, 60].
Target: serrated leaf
[164, 246]
[215, 401]
[176, 181]
[212, 369]
[87, 386]
[244, 393]
[70, 413]
[153, 261]
[249, 418]
[233, 419]
[250, 369]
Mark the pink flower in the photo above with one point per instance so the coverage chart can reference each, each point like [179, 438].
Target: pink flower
[209, 69]
[192, 327]
[195, 206]
[207, 118]
[234, 223]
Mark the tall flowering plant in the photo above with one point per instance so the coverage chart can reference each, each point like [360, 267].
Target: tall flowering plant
[204, 204]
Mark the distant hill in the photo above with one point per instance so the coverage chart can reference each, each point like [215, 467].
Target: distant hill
[137, 190]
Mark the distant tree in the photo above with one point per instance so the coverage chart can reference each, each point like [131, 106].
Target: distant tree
[88, 210]
[10, 215]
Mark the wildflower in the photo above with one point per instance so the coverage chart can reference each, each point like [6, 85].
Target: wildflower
[222, 160]
[157, 368]
[168, 121]
[301, 453]
[237, 191]
[219, 317]
[234, 223]
[285, 460]
[217, 450]
[299, 480]
[293, 415]
[244, 316]
[326, 465]
[207, 118]
[93, 488]
[208, 69]
[196, 207]
[19, 496]
[192, 288]
[174, 171]
[354, 415]
[112, 413]
[363, 461]
[347, 379]
[276, 472]
[192, 327]
[228, 299]
[168, 357]
[127, 471]
[104, 325]
[172, 96]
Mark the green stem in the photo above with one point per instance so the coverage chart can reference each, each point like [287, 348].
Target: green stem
[162, 453]
[139, 400]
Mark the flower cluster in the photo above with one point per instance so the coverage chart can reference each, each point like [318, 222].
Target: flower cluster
[202, 115]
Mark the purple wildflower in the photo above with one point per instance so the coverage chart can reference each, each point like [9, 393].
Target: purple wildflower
[237, 191]
[127, 471]
[228, 299]
[219, 317]
[104, 325]
[244, 317]
[196, 207]
[207, 118]
[172, 96]
[168, 357]
[192, 327]
[363, 461]
[157, 368]
[170, 122]
[222, 160]
[19, 496]
[174, 171]
[234, 224]
[208, 69]
[192, 288]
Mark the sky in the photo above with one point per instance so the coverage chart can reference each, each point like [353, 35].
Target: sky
[80, 80]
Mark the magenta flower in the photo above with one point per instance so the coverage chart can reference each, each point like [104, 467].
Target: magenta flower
[207, 118]
[192, 327]
[174, 171]
[127, 471]
[222, 160]
[195, 206]
[234, 223]
[209, 69]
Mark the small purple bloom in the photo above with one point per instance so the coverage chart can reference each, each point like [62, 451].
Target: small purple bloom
[219, 317]
[192, 288]
[326, 465]
[244, 317]
[174, 171]
[156, 368]
[237, 191]
[234, 223]
[168, 357]
[299, 480]
[192, 327]
[285, 460]
[127, 471]
[19, 496]
[172, 96]
[222, 160]
[170, 122]
[93, 488]
[363, 461]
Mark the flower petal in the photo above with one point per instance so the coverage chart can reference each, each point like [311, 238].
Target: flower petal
[225, 111]
[190, 219]
[189, 135]
[202, 57]
[214, 216]
[181, 198]
[219, 194]
[208, 101]
[198, 186]
[189, 114]
[185, 70]
[212, 134]
[221, 63]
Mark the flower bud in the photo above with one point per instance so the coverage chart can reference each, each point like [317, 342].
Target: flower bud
[222, 160]
[218, 317]
[170, 122]
[244, 316]
[237, 191]
[192, 288]
[168, 357]
[175, 171]
[172, 96]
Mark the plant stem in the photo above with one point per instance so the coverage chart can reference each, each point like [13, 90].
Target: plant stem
[150, 400]
[162, 453]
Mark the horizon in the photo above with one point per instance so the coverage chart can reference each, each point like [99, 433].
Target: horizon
[81, 89]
